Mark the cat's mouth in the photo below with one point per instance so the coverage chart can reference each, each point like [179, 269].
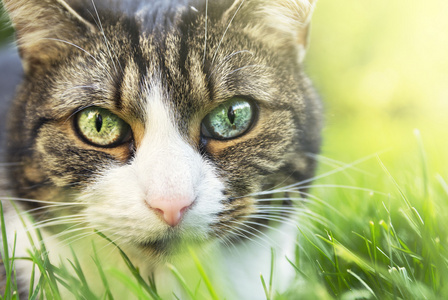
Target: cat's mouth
[161, 247]
[169, 246]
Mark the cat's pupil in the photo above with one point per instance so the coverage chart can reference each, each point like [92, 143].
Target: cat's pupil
[231, 115]
[98, 122]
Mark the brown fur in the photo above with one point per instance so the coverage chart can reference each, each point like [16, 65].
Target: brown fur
[69, 66]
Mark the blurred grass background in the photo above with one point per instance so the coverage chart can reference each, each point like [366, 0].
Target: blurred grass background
[381, 68]
[5, 30]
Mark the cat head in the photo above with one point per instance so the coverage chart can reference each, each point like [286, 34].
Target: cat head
[162, 120]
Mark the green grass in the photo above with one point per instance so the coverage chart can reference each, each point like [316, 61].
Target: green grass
[5, 30]
[385, 237]
[388, 243]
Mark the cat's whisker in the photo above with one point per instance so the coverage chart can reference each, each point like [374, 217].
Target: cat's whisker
[106, 41]
[282, 199]
[268, 208]
[299, 190]
[57, 223]
[324, 203]
[335, 163]
[285, 209]
[227, 241]
[241, 232]
[238, 232]
[310, 198]
[43, 210]
[299, 211]
[113, 240]
[267, 227]
[227, 28]
[273, 217]
[332, 172]
[82, 49]
[282, 220]
[261, 193]
[233, 231]
[307, 214]
[246, 223]
[109, 248]
[226, 59]
[206, 32]
[245, 67]
[15, 199]
[69, 231]
[66, 219]
[307, 187]
[72, 230]
[74, 238]
[60, 242]
[296, 187]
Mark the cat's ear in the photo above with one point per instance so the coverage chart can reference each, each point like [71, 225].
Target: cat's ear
[292, 17]
[285, 22]
[45, 29]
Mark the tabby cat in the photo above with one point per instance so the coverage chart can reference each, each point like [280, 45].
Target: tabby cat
[164, 125]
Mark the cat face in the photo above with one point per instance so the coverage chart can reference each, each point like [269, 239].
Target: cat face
[162, 124]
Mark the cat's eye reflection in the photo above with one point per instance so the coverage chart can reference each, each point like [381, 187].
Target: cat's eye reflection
[100, 127]
[229, 120]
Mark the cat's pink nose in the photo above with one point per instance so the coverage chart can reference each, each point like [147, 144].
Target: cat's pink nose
[171, 210]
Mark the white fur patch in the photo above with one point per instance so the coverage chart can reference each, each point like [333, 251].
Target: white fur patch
[246, 261]
[15, 229]
[165, 166]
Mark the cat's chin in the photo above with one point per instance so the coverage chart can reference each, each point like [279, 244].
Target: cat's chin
[168, 249]
[162, 248]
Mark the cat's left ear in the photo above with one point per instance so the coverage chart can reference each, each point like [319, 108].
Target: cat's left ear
[285, 22]
[45, 30]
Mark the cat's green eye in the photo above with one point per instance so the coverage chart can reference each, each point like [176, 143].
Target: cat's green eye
[102, 128]
[229, 120]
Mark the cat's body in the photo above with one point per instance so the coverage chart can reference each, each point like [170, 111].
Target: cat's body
[163, 122]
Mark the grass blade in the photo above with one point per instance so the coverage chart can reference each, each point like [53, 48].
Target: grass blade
[181, 280]
[204, 276]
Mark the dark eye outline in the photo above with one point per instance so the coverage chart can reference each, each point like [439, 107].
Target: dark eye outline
[124, 138]
[205, 133]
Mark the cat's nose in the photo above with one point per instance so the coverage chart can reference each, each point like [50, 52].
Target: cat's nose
[172, 210]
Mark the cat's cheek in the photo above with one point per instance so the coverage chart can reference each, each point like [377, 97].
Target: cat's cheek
[114, 206]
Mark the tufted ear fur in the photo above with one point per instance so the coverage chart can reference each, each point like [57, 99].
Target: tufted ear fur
[45, 29]
[285, 22]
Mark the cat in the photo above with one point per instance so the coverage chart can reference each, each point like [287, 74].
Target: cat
[164, 125]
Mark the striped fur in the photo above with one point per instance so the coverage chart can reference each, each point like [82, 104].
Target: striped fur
[161, 66]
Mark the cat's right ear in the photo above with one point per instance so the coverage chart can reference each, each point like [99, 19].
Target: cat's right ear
[285, 23]
[45, 30]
